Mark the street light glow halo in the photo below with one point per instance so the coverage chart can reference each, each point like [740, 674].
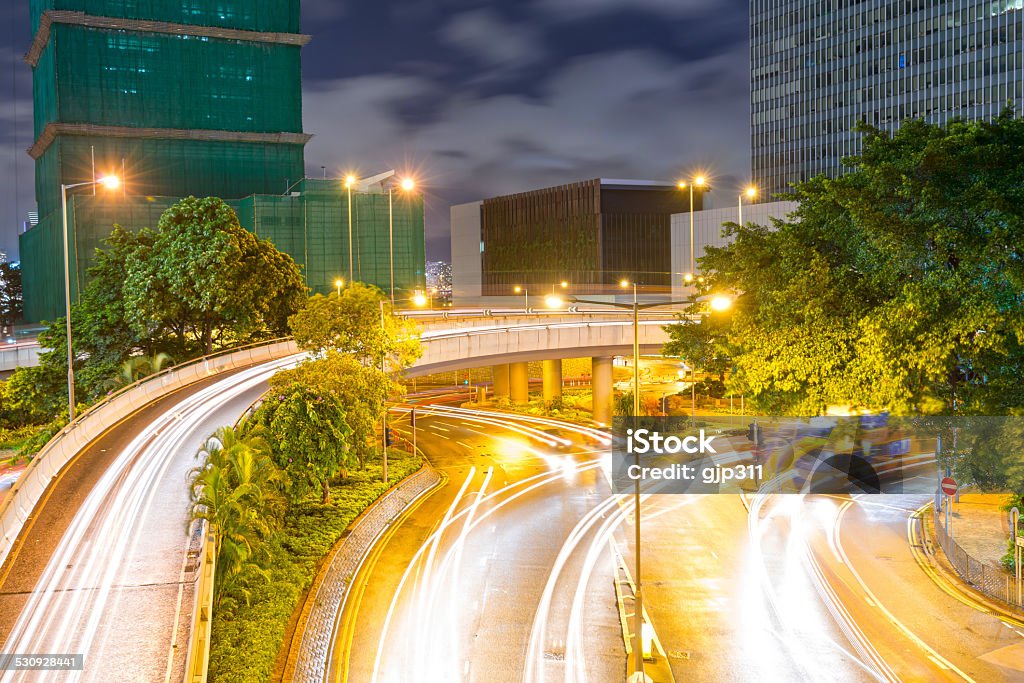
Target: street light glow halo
[553, 301]
[408, 184]
[721, 303]
[111, 182]
[624, 283]
[751, 191]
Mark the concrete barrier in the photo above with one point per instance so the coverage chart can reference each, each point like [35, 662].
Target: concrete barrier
[60, 450]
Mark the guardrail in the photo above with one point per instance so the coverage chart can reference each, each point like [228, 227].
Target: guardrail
[59, 451]
[993, 581]
[197, 663]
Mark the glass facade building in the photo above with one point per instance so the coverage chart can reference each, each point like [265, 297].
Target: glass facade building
[820, 66]
[590, 234]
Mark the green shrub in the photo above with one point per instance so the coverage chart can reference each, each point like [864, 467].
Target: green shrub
[248, 637]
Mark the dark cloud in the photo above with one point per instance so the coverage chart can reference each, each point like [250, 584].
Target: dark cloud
[481, 97]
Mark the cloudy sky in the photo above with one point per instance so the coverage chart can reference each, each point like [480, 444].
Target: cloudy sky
[479, 98]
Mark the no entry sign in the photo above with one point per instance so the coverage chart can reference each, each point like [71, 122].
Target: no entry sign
[948, 486]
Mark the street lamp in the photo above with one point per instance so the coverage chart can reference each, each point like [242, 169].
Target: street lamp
[718, 303]
[419, 301]
[751, 194]
[699, 181]
[407, 185]
[518, 289]
[338, 284]
[110, 182]
[350, 180]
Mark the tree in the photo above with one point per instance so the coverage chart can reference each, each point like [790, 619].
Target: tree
[352, 324]
[309, 435]
[238, 490]
[209, 281]
[10, 296]
[897, 286]
[362, 391]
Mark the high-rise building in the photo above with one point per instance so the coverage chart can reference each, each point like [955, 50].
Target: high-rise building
[196, 97]
[820, 66]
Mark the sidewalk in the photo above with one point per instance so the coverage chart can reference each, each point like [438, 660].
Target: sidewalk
[981, 526]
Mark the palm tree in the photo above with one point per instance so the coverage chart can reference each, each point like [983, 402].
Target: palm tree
[239, 491]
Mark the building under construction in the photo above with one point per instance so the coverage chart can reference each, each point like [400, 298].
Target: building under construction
[198, 98]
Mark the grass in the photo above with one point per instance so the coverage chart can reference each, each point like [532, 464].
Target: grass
[248, 637]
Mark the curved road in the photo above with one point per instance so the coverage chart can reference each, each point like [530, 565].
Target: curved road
[102, 567]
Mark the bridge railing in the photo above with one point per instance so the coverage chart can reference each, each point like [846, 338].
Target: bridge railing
[65, 445]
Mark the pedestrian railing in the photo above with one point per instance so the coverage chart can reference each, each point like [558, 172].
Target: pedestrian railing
[994, 581]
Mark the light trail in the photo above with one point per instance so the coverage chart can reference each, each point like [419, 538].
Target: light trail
[71, 608]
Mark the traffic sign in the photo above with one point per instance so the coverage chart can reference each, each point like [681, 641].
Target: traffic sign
[948, 486]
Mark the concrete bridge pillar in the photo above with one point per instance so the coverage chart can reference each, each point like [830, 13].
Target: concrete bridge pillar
[602, 389]
[519, 383]
[500, 373]
[552, 380]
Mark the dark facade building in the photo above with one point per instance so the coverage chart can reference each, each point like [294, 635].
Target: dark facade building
[820, 67]
[591, 234]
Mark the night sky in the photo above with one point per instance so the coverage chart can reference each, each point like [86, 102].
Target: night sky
[480, 98]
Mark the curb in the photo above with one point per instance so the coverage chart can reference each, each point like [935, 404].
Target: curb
[943, 570]
[298, 646]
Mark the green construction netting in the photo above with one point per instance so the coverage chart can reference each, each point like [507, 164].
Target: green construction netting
[117, 78]
[252, 15]
[311, 228]
[168, 168]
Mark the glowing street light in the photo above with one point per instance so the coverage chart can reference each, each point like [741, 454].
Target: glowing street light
[108, 182]
[720, 303]
[407, 185]
[338, 284]
[698, 181]
[350, 181]
[553, 301]
[519, 289]
[419, 299]
[751, 194]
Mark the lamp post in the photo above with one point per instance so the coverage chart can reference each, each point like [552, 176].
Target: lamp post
[555, 301]
[110, 182]
[526, 296]
[698, 181]
[338, 284]
[350, 180]
[419, 301]
[407, 185]
[751, 194]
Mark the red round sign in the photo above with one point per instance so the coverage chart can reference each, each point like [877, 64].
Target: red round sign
[948, 486]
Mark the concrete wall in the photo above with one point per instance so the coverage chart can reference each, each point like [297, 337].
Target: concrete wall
[467, 269]
[707, 231]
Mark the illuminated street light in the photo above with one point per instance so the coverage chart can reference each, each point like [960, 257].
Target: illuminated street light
[553, 301]
[699, 181]
[721, 303]
[350, 181]
[564, 284]
[407, 185]
[109, 182]
[688, 278]
[518, 289]
[751, 193]
[338, 284]
[624, 283]
[419, 299]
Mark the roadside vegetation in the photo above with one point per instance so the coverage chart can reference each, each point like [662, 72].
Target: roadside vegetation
[896, 287]
[196, 284]
[280, 489]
